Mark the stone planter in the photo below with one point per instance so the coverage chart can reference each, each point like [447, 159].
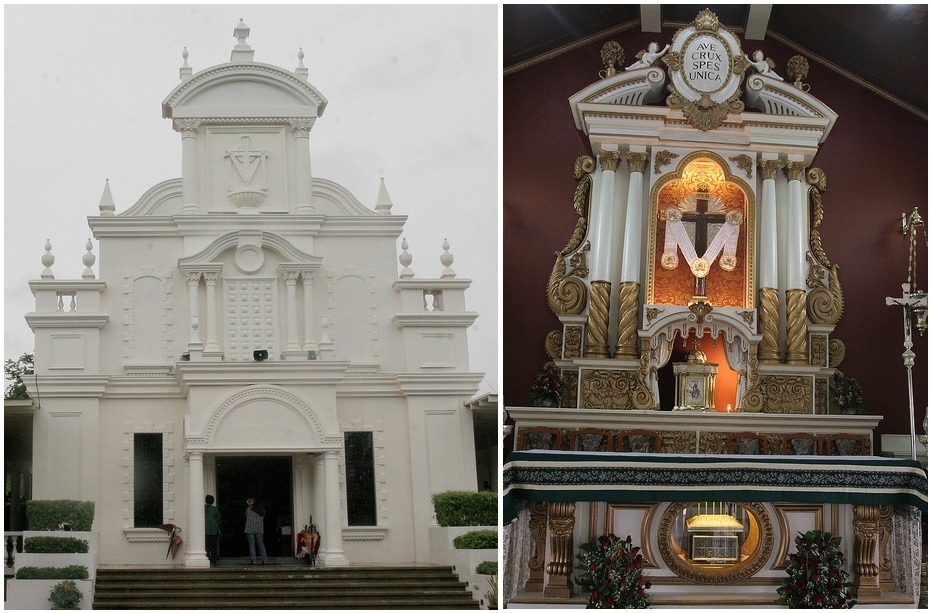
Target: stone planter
[464, 561]
[33, 594]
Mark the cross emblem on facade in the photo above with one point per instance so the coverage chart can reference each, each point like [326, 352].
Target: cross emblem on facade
[247, 162]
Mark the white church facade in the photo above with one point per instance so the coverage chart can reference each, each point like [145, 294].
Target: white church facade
[249, 334]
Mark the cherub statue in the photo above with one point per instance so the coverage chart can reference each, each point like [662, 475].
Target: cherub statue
[647, 57]
[763, 65]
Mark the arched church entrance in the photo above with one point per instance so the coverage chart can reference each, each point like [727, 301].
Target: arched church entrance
[268, 479]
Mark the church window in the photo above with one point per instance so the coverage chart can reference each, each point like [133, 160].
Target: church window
[147, 479]
[360, 479]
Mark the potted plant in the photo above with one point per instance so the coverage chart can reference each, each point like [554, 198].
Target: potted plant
[547, 389]
[847, 397]
[816, 574]
[65, 595]
[612, 574]
[491, 596]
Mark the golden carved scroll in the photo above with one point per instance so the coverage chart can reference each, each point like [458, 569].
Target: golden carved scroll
[560, 567]
[538, 527]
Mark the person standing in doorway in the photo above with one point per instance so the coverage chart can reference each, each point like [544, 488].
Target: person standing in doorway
[254, 530]
[212, 530]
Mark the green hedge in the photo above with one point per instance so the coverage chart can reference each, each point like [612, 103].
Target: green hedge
[456, 508]
[54, 544]
[477, 539]
[48, 514]
[52, 572]
[487, 568]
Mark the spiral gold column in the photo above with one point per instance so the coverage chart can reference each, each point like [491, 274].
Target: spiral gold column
[597, 323]
[769, 320]
[796, 327]
[560, 567]
[627, 345]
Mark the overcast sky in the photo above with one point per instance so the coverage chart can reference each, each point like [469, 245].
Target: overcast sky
[412, 97]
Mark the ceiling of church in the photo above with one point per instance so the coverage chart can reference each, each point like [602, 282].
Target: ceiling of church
[884, 45]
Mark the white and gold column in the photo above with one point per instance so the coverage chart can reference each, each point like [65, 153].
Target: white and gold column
[768, 270]
[796, 352]
[600, 287]
[629, 289]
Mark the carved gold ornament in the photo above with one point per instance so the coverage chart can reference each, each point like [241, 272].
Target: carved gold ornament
[797, 69]
[614, 389]
[787, 395]
[553, 344]
[597, 322]
[706, 20]
[613, 56]
[704, 114]
[662, 158]
[745, 163]
[566, 292]
[825, 302]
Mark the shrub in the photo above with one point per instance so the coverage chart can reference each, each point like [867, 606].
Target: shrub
[65, 595]
[49, 514]
[487, 568]
[458, 508]
[477, 539]
[52, 572]
[54, 544]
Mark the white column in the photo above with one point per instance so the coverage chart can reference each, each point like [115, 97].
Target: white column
[291, 299]
[195, 549]
[768, 268]
[303, 194]
[189, 188]
[603, 215]
[631, 245]
[210, 280]
[332, 536]
[310, 339]
[797, 224]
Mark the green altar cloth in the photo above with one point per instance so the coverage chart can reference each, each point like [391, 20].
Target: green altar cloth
[557, 476]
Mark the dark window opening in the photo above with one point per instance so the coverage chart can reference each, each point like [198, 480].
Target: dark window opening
[147, 480]
[360, 479]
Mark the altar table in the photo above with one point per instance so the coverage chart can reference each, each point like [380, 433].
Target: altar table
[556, 476]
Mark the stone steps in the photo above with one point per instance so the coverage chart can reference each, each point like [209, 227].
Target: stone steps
[289, 587]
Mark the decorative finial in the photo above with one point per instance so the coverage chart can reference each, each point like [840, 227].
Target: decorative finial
[107, 207]
[405, 259]
[613, 56]
[47, 260]
[185, 70]
[88, 260]
[383, 203]
[706, 20]
[242, 52]
[446, 258]
[797, 68]
[301, 71]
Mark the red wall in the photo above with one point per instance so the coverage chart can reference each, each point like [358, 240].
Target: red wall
[875, 159]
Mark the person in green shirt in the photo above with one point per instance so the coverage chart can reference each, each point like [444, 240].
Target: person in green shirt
[212, 530]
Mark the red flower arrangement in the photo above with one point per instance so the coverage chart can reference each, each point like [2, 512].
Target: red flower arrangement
[817, 578]
[612, 574]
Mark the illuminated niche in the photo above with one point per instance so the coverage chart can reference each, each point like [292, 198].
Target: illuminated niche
[714, 541]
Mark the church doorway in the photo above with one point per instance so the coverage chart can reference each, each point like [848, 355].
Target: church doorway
[268, 479]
